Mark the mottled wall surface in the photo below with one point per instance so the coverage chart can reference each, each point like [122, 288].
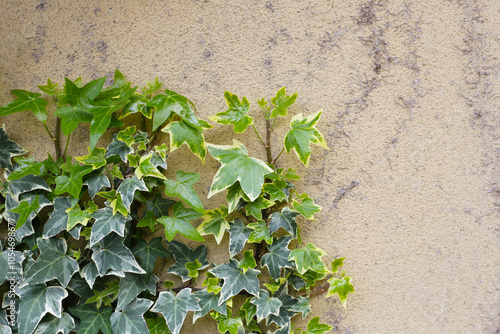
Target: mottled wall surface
[411, 183]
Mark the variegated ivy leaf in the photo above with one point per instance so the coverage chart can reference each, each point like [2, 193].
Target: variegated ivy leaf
[73, 183]
[308, 258]
[26, 184]
[170, 103]
[193, 268]
[25, 166]
[303, 133]
[114, 255]
[26, 101]
[236, 280]
[183, 254]
[236, 114]
[76, 216]
[314, 327]
[10, 265]
[255, 208]
[8, 150]
[131, 319]
[146, 168]
[285, 313]
[215, 223]
[96, 158]
[128, 188]
[238, 236]
[337, 263]
[95, 183]
[303, 306]
[276, 190]
[36, 301]
[266, 305]
[127, 135]
[341, 287]
[236, 197]
[283, 330]
[175, 308]
[260, 232]
[105, 223]
[183, 133]
[149, 252]
[311, 277]
[92, 319]
[56, 325]
[183, 188]
[119, 148]
[277, 257]
[282, 102]
[285, 219]
[237, 166]
[307, 207]
[181, 223]
[208, 302]
[226, 324]
[52, 263]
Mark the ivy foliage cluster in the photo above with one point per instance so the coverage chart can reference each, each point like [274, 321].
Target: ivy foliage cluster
[79, 246]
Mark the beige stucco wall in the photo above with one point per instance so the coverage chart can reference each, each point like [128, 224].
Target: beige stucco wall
[411, 183]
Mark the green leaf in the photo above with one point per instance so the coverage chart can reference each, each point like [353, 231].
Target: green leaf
[282, 102]
[227, 324]
[248, 310]
[114, 255]
[275, 190]
[277, 257]
[255, 208]
[285, 314]
[95, 183]
[237, 166]
[131, 319]
[193, 268]
[183, 188]
[284, 219]
[151, 87]
[128, 188]
[158, 326]
[337, 263]
[170, 103]
[56, 325]
[119, 84]
[307, 208]
[303, 133]
[127, 135]
[308, 258]
[182, 133]
[26, 101]
[314, 327]
[236, 114]
[25, 166]
[89, 91]
[181, 223]
[36, 301]
[159, 205]
[340, 286]
[175, 308]
[119, 148]
[148, 220]
[260, 232]
[215, 223]
[137, 104]
[208, 302]
[107, 296]
[25, 185]
[183, 254]
[117, 174]
[266, 305]
[146, 168]
[76, 216]
[52, 263]
[211, 283]
[73, 183]
[133, 284]
[8, 149]
[149, 252]
[236, 280]
[236, 197]
[238, 236]
[96, 158]
[248, 261]
[302, 306]
[311, 277]
[71, 117]
[105, 223]
[25, 208]
[92, 319]
[50, 88]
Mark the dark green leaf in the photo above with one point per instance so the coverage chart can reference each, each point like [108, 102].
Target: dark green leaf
[285, 313]
[238, 236]
[302, 306]
[106, 296]
[183, 254]
[266, 305]
[133, 284]
[149, 252]
[131, 319]
[105, 223]
[128, 188]
[236, 114]
[284, 219]
[119, 148]
[311, 277]
[183, 133]
[119, 84]
[8, 149]
[181, 223]
[56, 325]
[214, 223]
[26, 184]
[277, 257]
[175, 308]
[73, 183]
[26, 101]
[95, 183]
[71, 117]
[183, 188]
[92, 319]
[208, 302]
[173, 103]
[114, 255]
[159, 205]
[10, 265]
[89, 91]
[282, 102]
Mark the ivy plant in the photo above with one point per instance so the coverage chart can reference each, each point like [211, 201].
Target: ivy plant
[84, 237]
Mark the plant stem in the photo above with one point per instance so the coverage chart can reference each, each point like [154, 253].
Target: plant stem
[66, 146]
[279, 155]
[268, 140]
[258, 135]
[274, 122]
[57, 136]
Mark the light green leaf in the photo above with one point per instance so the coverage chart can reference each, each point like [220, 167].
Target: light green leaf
[276, 190]
[73, 183]
[170, 103]
[282, 102]
[36, 301]
[175, 308]
[266, 305]
[284, 219]
[149, 252]
[314, 327]
[128, 188]
[238, 236]
[95, 183]
[236, 197]
[105, 223]
[106, 296]
[52, 263]
[117, 174]
[71, 117]
[308, 258]
[24, 209]
[127, 135]
[96, 158]
[208, 302]
[211, 283]
[260, 232]
[193, 268]
[114, 255]
[92, 319]
[215, 223]
[146, 168]
[341, 287]
[307, 208]
[277, 257]
[183, 254]
[303, 133]
[226, 324]
[26, 101]
[148, 220]
[119, 84]
[236, 114]
[255, 208]
[311, 277]
[248, 310]
[8, 149]
[181, 223]
[236, 280]
[76, 216]
[248, 261]
[56, 325]
[151, 87]
[131, 319]
[237, 166]
[183, 188]
[337, 263]
[182, 133]
[50, 88]
[25, 166]
[130, 287]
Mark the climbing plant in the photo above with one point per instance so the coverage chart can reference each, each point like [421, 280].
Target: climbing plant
[82, 235]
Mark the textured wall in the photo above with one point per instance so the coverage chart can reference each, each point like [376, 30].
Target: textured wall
[411, 183]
